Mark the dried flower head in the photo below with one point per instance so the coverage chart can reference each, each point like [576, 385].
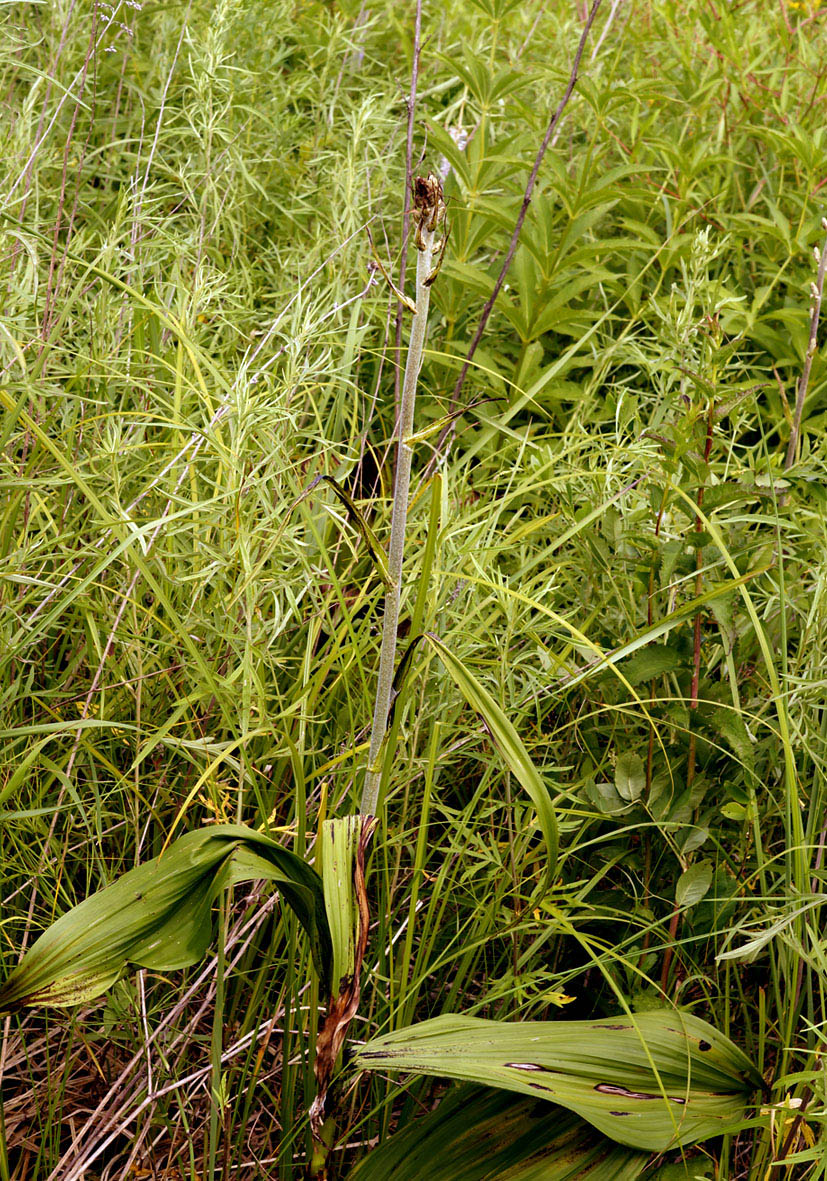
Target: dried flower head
[428, 202]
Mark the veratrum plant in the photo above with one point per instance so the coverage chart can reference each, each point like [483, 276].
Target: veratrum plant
[652, 1080]
[159, 916]
[477, 1134]
[343, 844]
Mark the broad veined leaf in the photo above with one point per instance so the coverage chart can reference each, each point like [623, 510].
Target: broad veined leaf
[508, 743]
[693, 884]
[630, 776]
[477, 1134]
[651, 1080]
[159, 916]
[651, 662]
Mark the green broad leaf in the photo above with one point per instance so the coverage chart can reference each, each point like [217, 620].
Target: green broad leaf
[732, 810]
[159, 916]
[691, 1170]
[669, 555]
[477, 1134]
[693, 884]
[650, 1080]
[339, 846]
[508, 743]
[630, 777]
[730, 726]
[605, 797]
[651, 662]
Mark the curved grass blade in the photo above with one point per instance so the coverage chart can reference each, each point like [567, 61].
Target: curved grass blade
[477, 1134]
[368, 536]
[652, 1080]
[509, 744]
[159, 916]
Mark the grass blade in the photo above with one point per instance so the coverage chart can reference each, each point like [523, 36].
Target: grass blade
[509, 744]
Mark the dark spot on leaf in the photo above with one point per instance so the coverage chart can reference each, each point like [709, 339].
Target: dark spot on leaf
[620, 1113]
[601, 1026]
[611, 1089]
[540, 1087]
[704, 1046]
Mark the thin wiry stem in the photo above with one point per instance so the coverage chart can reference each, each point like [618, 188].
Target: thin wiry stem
[406, 212]
[521, 216]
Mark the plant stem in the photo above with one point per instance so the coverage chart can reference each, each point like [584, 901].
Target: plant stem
[695, 685]
[428, 216]
[817, 292]
[406, 213]
[696, 638]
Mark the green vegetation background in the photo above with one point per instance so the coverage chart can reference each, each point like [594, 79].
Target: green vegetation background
[192, 329]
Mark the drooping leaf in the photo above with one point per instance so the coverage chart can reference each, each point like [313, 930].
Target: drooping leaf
[731, 727]
[479, 1134]
[508, 743]
[370, 539]
[651, 662]
[651, 1080]
[159, 916]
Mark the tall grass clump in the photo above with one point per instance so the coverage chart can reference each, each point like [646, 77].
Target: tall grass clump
[586, 929]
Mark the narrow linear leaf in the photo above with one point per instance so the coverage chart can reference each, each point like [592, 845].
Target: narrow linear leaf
[508, 743]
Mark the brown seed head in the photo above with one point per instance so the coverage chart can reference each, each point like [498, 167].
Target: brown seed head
[427, 200]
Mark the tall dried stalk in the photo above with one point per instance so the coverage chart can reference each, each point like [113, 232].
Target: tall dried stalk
[428, 215]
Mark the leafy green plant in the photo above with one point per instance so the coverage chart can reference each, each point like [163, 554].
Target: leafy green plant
[651, 1080]
[159, 916]
[476, 1134]
[192, 338]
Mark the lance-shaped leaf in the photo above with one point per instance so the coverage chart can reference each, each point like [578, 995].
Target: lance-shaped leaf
[508, 743]
[159, 916]
[653, 1080]
[477, 1135]
[368, 536]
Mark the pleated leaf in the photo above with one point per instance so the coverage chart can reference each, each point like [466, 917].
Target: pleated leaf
[653, 1081]
[509, 744]
[344, 843]
[159, 916]
[478, 1134]
[339, 840]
